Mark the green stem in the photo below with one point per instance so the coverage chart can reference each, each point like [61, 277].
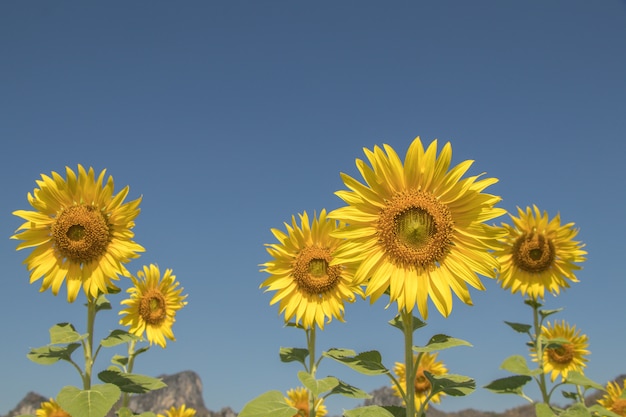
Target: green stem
[88, 345]
[312, 366]
[410, 368]
[129, 369]
[539, 348]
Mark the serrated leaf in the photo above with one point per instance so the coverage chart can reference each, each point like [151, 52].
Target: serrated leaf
[543, 410]
[118, 337]
[94, 402]
[577, 378]
[576, 410]
[516, 364]
[398, 323]
[519, 327]
[368, 411]
[293, 355]
[440, 342]
[47, 355]
[349, 391]
[131, 383]
[453, 385]
[509, 385]
[63, 333]
[270, 404]
[368, 363]
[317, 386]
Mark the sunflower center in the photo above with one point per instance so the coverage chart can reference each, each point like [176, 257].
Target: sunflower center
[81, 233]
[562, 355]
[312, 271]
[153, 307]
[58, 413]
[415, 229]
[533, 252]
[619, 407]
[422, 385]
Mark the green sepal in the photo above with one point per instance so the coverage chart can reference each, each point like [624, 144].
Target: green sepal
[63, 333]
[555, 343]
[516, 364]
[102, 303]
[131, 383]
[599, 410]
[294, 355]
[509, 385]
[546, 313]
[94, 402]
[119, 360]
[576, 378]
[576, 410]
[519, 327]
[368, 363]
[399, 324]
[569, 395]
[532, 302]
[127, 412]
[543, 410]
[270, 404]
[317, 386]
[349, 391]
[118, 337]
[440, 342]
[47, 355]
[453, 385]
[296, 325]
[373, 411]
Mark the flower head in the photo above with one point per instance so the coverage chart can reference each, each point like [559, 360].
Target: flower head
[615, 398]
[153, 304]
[299, 398]
[421, 385]
[308, 288]
[565, 351]
[51, 409]
[181, 411]
[80, 232]
[538, 254]
[417, 229]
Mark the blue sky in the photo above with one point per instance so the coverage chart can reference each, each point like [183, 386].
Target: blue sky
[229, 117]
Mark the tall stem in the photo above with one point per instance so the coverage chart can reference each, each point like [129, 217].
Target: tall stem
[129, 369]
[88, 346]
[407, 323]
[312, 367]
[539, 348]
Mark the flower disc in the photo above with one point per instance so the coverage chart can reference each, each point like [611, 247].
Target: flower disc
[299, 398]
[567, 356]
[615, 398]
[421, 384]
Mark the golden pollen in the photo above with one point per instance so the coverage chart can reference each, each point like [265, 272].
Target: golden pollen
[563, 355]
[153, 307]
[533, 252]
[415, 229]
[81, 233]
[421, 382]
[312, 272]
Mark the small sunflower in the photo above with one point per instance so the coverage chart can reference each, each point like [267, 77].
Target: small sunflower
[568, 356]
[422, 387]
[51, 409]
[299, 398]
[538, 254]
[417, 229]
[181, 411]
[153, 304]
[308, 288]
[615, 398]
[80, 232]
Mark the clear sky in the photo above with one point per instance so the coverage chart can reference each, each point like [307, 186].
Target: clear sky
[229, 117]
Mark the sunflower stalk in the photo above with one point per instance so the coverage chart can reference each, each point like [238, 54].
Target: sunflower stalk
[88, 345]
[310, 337]
[411, 369]
[538, 342]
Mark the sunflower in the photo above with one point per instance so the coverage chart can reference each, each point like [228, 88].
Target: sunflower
[615, 398]
[428, 362]
[80, 232]
[308, 288]
[564, 356]
[416, 229]
[299, 398]
[181, 411]
[538, 254]
[153, 304]
[51, 409]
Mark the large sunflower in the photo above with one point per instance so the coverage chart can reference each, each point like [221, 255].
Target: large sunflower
[308, 288]
[538, 254]
[421, 385]
[80, 232]
[299, 398]
[615, 398]
[51, 409]
[564, 356]
[417, 228]
[153, 304]
[181, 411]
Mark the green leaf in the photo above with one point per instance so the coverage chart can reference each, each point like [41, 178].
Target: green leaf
[543, 410]
[519, 327]
[294, 355]
[94, 402]
[63, 333]
[132, 383]
[317, 386]
[368, 411]
[454, 385]
[440, 342]
[270, 404]
[598, 409]
[47, 355]
[546, 313]
[349, 391]
[509, 385]
[118, 337]
[102, 303]
[576, 410]
[516, 364]
[576, 378]
[399, 324]
[569, 395]
[119, 360]
[368, 363]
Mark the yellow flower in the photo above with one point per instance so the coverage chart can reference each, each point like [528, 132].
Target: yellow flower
[153, 304]
[615, 398]
[308, 288]
[422, 387]
[417, 228]
[51, 409]
[181, 411]
[299, 398]
[538, 254]
[80, 232]
[568, 356]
